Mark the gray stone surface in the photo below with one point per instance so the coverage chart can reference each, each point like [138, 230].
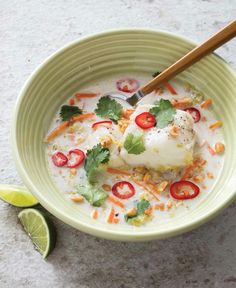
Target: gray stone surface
[29, 32]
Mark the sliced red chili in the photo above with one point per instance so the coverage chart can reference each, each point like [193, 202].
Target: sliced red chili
[76, 158]
[183, 190]
[195, 113]
[145, 120]
[127, 85]
[123, 190]
[59, 159]
[105, 123]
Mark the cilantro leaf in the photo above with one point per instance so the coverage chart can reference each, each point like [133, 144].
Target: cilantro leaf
[109, 108]
[94, 195]
[164, 113]
[140, 217]
[68, 111]
[95, 157]
[134, 144]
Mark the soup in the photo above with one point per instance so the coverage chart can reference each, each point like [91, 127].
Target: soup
[132, 166]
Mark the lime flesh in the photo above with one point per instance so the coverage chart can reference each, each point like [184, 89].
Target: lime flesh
[17, 196]
[40, 229]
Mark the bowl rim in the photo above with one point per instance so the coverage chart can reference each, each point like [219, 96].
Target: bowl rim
[83, 226]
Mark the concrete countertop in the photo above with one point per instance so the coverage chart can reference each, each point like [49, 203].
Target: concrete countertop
[29, 32]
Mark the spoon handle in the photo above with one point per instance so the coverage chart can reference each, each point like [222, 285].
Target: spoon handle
[218, 39]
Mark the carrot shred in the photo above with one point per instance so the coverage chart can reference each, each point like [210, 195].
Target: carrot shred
[58, 130]
[215, 125]
[144, 187]
[205, 104]
[94, 214]
[170, 88]
[116, 201]
[118, 171]
[85, 95]
[187, 173]
[111, 215]
[211, 150]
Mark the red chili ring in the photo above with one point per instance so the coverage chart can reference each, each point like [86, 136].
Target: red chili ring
[127, 194]
[127, 85]
[195, 113]
[79, 160]
[59, 159]
[101, 123]
[177, 191]
[145, 120]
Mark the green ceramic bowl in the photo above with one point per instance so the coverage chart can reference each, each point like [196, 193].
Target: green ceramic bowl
[95, 56]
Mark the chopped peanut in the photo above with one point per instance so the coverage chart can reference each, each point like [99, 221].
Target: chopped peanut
[160, 206]
[206, 103]
[169, 204]
[77, 198]
[210, 175]
[106, 187]
[71, 129]
[146, 177]
[131, 212]
[148, 211]
[116, 220]
[219, 147]
[162, 186]
[141, 169]
[106, 141]
[80, 140]
[73, 171]
[174, 131]
[198, 178]
[182, 102]
[127, 113]
[123, 124]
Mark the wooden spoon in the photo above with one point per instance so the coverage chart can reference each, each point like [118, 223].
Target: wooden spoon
[217, 40]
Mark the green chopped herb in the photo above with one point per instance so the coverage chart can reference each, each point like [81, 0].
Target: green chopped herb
[109, 108]
[94, 195]
[140, 217]
[134, 144]
[94, 158]
[164, 113]
[68, 111]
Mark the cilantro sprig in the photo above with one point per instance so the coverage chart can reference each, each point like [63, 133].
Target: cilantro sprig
[94, 158]
[109, 108]
[68, 111]
[140, 216]
[134, 144]
[164, 113]
[94, 195]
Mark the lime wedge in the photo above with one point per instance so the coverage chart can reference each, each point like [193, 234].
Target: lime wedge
[40, 229]
[17, 195]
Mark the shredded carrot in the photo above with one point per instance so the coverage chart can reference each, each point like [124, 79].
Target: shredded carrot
[72, 101]
[170, 88]
[144, 187]
[211, 150]
[127, 113]
[116, 220]
[205, 104]
[215, 125]
[94, 214]
[81, 117]
[111, 215]
[118, 171]
[187, 173]
[58, 130]
[85, 95]
[182, 102]
[116, 201]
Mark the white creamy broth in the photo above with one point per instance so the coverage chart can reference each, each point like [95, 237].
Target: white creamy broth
[81, 135]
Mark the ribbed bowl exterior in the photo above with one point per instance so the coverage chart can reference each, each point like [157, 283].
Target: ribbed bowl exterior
[97, 56]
